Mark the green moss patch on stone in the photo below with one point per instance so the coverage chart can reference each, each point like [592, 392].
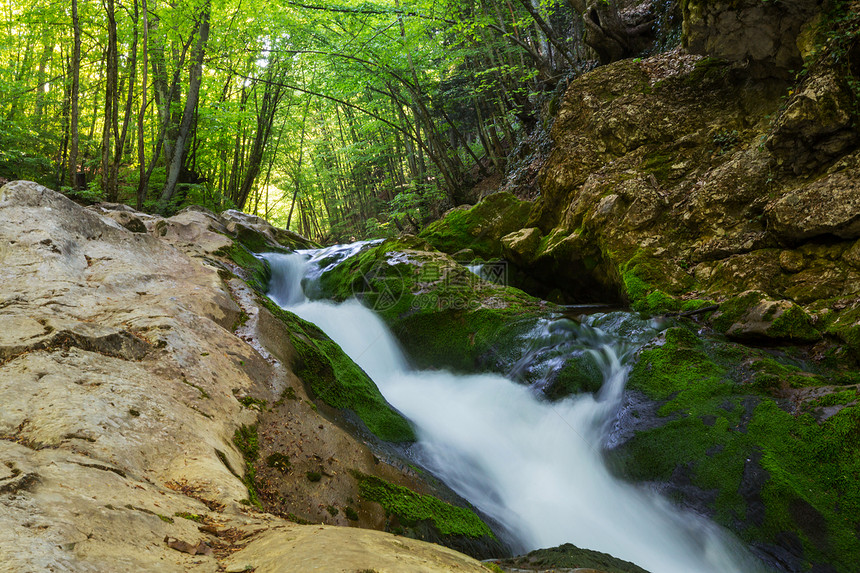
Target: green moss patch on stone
[770, 471]
[412, 508]
[753, 315]
[442, 314]
[569, 556]
[640, 274]
[846, 326]
[335, 379]
[479, 228]
[245, 438]
[279, 461]
[579, 374]
[189, 516]
[257, 271]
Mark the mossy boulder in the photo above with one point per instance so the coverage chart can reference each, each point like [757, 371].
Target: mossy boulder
[735, 193]
[480, 227]
[521, 246]
[428, 518]
[568, 557]
[259, 236]
[752, 316]
[579, 374]
[332, 377]
[443, 314]
[752, 444]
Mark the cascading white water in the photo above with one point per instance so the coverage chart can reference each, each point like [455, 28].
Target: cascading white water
[534, 466]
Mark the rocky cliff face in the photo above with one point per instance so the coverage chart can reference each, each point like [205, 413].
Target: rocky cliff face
[148, 402]
[680, 179]
[704, 179]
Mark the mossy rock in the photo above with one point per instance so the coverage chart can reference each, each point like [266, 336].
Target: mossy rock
[752, 315]
[442, 314]
[332, 376]
[479, 228]
[734, 448]
[430, 519]
[651, 284]
[579, 374]
[569, 556]
[255, 271]
[846, 326]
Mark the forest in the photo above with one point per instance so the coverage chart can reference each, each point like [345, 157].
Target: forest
[335, 118]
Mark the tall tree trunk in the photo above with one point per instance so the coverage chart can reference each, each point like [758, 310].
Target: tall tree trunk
[47, 51]
[142, 183]
[120, 138]
[74, 111]
[298, 170]
[196, 78]
[111, 100]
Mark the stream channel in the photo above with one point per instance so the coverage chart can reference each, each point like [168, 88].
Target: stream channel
[532, 465]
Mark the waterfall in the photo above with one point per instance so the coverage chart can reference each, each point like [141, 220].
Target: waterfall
[534, 466]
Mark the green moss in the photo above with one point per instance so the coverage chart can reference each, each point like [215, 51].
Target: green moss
[568, 556]
[350, 513]
[479, 228]
[332, 510]
[794, 324]
[245, 438]
[257, 272]
[639, 275]
[770, 374]
[734, 309]
[336, 380]
[164, 518]
[411, 508]
[240, 321]
[203, 393]
[253, 403]
[846, 326]
[660, 164]
[189, 516]
[579, 374]
[717, 423]
[313, 476]
[279, 461]
[300, 520]
[835, 399]
[429, 294]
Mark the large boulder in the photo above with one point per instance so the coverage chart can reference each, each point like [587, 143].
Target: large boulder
[479, 228]
[142, 393]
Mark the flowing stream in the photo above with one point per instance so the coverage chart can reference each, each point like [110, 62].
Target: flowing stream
[534, 466]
